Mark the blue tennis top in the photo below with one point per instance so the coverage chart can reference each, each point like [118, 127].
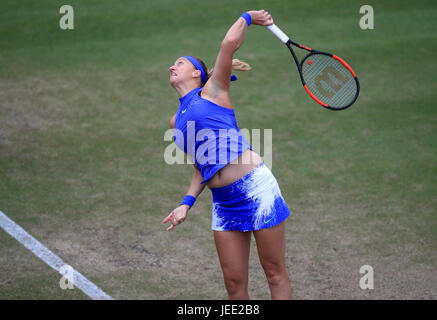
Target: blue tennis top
[208, 133]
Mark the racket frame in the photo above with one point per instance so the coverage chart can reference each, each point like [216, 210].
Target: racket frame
[288, 42]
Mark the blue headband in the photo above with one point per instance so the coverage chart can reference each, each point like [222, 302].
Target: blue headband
[199, 67]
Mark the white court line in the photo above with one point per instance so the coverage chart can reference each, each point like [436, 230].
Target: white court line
[89, 288]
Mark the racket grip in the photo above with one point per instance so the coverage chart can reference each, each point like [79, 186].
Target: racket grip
[277, 32]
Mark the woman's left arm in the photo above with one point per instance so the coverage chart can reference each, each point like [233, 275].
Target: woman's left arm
[179, 214]
[220, 79]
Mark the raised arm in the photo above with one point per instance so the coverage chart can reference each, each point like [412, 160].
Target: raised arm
[219, 82]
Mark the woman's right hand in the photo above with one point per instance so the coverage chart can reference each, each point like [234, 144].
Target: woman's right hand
[177, 216]
[261, 17]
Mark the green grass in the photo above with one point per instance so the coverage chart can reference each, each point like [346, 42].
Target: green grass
[83, 115]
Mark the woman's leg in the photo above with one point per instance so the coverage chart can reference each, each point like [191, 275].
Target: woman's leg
[271, 250]
[233, 249]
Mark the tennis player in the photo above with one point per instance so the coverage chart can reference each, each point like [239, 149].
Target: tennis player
[246, 195]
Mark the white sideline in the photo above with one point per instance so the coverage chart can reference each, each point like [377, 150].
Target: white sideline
[89, 288]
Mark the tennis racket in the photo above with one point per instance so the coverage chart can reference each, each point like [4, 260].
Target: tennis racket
[328, 79]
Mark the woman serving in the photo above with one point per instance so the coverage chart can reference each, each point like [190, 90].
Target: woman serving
[246, 195]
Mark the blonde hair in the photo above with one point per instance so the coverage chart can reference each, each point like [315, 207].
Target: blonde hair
[237, 65]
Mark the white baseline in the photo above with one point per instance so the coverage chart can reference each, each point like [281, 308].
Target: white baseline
[89, 288]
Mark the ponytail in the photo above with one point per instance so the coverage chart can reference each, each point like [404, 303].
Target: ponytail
[237, 65]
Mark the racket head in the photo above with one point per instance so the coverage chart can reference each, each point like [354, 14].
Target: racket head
[329, 80]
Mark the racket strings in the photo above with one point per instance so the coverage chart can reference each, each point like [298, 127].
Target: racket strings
[330, 81]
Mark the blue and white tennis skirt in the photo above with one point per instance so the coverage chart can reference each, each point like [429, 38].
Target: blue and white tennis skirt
[253, 202]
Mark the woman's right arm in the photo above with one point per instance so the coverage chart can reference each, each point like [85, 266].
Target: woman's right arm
[219, 82]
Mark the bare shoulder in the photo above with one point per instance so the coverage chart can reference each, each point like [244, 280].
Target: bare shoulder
[173, 121]
[216, 95]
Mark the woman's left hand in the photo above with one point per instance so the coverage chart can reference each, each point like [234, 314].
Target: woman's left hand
[177, 216]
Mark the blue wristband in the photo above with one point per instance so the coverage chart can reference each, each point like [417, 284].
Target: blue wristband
[247, 17]
[188, 200]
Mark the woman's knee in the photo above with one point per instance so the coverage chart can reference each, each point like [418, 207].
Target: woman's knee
[276, 273]
[235, 283]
